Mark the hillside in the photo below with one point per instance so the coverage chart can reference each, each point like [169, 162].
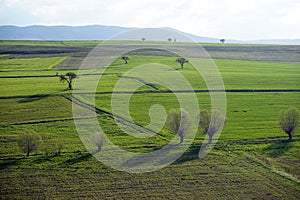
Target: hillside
[100, 32]
[95, 32]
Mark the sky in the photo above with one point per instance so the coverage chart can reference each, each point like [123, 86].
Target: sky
[230, 19]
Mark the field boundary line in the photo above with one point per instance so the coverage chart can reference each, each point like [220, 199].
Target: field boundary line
[259, 141]
[45, 76]
[196, 91]
[159, 92]
[140, 80]
[48, 121]
[122, 120]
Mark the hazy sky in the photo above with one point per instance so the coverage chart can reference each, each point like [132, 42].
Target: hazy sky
[234, 19]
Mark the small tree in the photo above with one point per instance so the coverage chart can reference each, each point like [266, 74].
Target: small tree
[169, 39]
[181, 61]
[28, 142]
[178, 123]
[57, 147]
[68, 78]
[125, 58]
[143, 39]
[222, 40]
[288, 121]
[98, 141]
[210, 122]
[52, 147]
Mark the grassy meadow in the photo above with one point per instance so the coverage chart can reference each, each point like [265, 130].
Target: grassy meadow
[250, 161]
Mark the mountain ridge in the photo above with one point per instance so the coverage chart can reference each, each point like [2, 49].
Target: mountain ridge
[103, 32]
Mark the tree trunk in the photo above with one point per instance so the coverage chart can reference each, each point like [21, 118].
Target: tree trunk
[181, 139]
[181, 65]
[125, 61]
[99, 148]
[27, 150]
[210, 139]
[290, 137]
[70, 86]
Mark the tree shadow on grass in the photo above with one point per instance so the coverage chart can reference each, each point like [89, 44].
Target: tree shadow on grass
[190, 154]
[37, 97]
[166, 158]
[140, 160]
[33, 98]
[277, 149]
[78, 159]
[43, 158]
[7, 162]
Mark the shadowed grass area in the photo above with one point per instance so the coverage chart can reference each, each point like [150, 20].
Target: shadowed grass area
[219, 175]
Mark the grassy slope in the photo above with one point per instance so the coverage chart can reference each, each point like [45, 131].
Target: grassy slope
[237, 167]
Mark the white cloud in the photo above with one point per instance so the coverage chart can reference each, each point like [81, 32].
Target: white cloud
[243, 19]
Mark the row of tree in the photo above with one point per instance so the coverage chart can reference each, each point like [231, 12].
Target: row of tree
[211, 122]
[29, 142]
[170, 40]
[177, 123]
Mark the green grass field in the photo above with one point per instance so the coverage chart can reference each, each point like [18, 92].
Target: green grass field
[29, 64]
[250, 160]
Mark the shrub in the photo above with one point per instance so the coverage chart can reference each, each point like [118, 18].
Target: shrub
[29, 142]
[211, 123]
[178, 123]
[288, 121]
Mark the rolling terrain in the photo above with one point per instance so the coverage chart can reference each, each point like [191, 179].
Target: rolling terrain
[250, 161]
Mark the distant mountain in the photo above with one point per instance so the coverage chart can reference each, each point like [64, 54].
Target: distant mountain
[100, 32]
[93, 32]
[38, 32]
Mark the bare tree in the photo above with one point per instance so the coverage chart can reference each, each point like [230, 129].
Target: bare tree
[57, 147]
[98, 140]
[178, 123]
[68, 77]
[210, 123]
[28, 142]
[125, 58]
[181, 61]
[222, 40]
[288, 121]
